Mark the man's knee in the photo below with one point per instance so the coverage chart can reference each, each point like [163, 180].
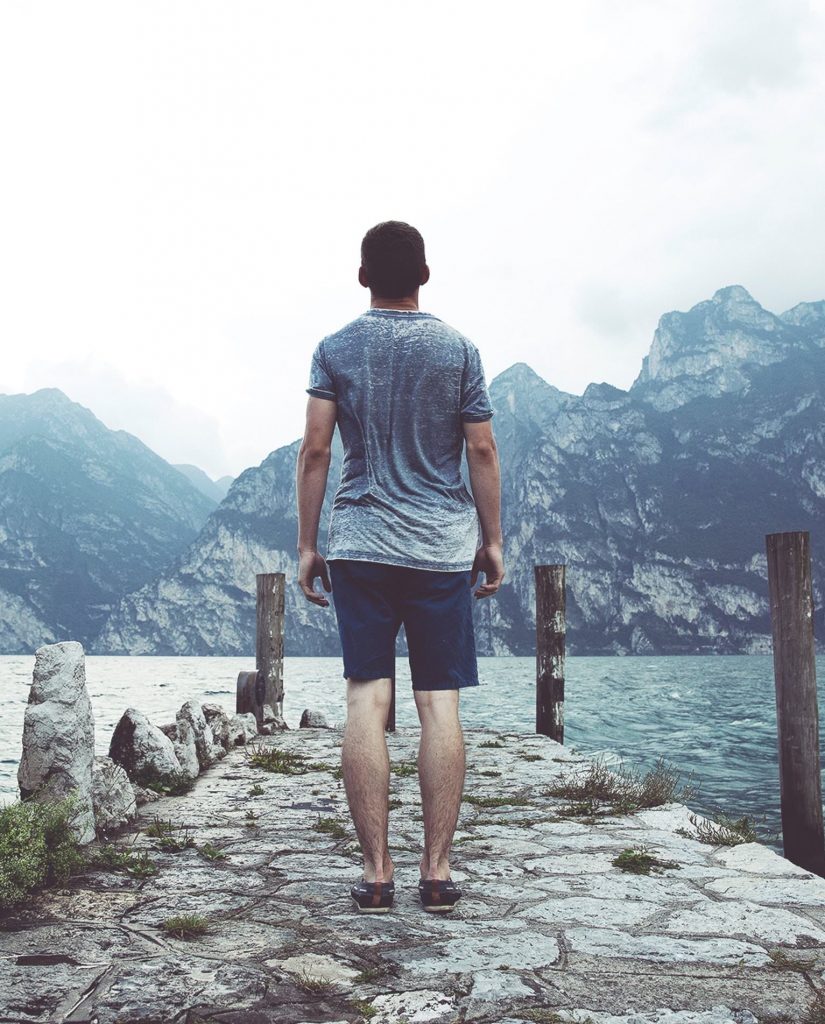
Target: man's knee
[436, 706]
[368, 697]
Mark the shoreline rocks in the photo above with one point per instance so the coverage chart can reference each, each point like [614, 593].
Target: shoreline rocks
[59, 734]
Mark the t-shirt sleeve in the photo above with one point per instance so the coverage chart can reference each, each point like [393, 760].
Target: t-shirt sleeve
[475, 401]
[321, 383]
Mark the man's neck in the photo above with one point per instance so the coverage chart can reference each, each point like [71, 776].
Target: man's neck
[410, 302]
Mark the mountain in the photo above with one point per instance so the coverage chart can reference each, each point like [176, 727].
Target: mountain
[213, 489]
[87, 514]
[657, 499]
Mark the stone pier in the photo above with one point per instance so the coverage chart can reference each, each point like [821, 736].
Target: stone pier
[551, 928]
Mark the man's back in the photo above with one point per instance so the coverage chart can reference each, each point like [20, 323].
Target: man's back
[404, 381]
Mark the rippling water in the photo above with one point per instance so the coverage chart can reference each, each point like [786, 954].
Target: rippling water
[712, 716]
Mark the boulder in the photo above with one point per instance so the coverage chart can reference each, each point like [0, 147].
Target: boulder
[182, 736]
[242, 728]
[218, 720]
[143, 751]
[113, 796]
[207, 750]
[314, 720]
[59, 735]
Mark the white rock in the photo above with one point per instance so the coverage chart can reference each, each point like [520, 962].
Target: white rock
[208, 751]
[242, 728]
[417, 1007]
[186, 749]
[750, 919]
[772, 891]
[313, 720]
[219, 722]
[493, 986]
[316, 965]
[143, 750]
[758, 858]
[586, 910]
[59, 735]
[113, 795]
[603, 942]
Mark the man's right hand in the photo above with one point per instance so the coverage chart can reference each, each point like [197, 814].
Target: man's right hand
[310, 565]
[489, 560]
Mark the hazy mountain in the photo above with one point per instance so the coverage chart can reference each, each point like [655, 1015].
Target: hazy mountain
[214, 489]
[86, 515]
[657, 499]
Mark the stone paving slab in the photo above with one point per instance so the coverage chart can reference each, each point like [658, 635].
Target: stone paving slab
[550, 930]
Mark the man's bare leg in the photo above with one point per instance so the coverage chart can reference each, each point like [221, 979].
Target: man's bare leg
[366, 769]
[441, 768]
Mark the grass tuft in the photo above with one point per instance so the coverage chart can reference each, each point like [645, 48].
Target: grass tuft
[491, 744]
[211, 852]
[725, 831]
[640, 861]
[331, 827]
[497, 801]
[313, 984]
[622, 790]
[363, 1008]
[185, 926]
[279, 762]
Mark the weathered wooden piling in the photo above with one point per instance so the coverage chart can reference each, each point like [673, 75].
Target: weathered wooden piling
[269, 637]
[266, 684]
[797, 715]
[391, 712]
[550, 636]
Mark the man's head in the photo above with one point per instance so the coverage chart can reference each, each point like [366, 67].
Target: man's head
[393, 265]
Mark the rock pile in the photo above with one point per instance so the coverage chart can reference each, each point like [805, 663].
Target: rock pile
[144, 759]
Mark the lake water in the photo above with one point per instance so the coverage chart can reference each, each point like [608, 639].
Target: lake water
[712, 716]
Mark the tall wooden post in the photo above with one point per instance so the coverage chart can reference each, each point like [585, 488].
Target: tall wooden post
[550, 634]
[391, 712]
[269, 638]
[797, 715]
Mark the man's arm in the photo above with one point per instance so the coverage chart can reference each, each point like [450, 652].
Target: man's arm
[311, 472]
[485, 480]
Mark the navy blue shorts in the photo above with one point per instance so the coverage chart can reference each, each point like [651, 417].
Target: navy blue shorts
[371, 601]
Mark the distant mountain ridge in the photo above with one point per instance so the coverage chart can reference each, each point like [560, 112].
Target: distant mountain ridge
[657, 499]
[86, 515]
[213, 489]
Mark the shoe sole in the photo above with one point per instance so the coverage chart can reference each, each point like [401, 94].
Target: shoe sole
[373, 910]
[442, 909]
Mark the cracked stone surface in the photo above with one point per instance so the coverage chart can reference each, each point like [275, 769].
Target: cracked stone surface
[549, 929]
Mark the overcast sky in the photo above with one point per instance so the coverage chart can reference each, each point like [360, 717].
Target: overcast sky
[185, 186]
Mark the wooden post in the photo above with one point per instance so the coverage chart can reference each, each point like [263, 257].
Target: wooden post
[269, 638]
[550, 630]
[391, 712]
[797, 715]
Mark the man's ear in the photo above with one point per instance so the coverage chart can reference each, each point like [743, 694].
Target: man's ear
[362, 278]
[425, 274]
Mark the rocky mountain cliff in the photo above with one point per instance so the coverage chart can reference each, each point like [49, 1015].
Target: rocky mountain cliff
[657, 499]
[87, 514]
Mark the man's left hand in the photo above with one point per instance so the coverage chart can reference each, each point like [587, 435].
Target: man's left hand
[310, 565]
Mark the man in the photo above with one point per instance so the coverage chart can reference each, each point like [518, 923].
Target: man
[407, 393]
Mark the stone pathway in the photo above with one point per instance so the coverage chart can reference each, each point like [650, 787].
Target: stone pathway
[549, 930]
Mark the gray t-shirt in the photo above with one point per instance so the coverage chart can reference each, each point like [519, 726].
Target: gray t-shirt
[403, 382]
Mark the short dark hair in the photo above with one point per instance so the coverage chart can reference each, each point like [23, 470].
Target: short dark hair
[392, 255]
